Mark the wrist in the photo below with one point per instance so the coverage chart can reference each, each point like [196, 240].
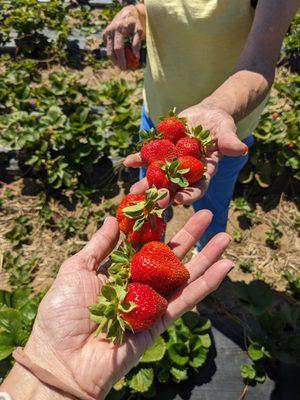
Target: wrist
[22, 385]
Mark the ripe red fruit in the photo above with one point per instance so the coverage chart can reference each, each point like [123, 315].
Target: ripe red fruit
[132, 62]
[140, 217]
[126, 224]
[156, 265]
[149, 307]
[194, 144]
[195, 168]
[172, 127]
[189, 146]
[134, 307]
[157, 177]
[159, 149]
[179, 173]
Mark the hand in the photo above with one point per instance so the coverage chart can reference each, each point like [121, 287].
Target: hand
[223, 131]
[126, 24]
[63, 338]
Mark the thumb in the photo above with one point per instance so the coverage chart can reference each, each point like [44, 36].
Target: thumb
[228, 142]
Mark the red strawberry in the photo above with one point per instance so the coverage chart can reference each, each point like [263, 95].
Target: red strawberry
[156, 265]
[126, 224]
[194, 144]
[189, 146]
[140, 218]
[149, 307]
[172, 127]
[151, 230]
[135, 307]
[132, 62]
[195, 169]
[157, 177]
[159, 149]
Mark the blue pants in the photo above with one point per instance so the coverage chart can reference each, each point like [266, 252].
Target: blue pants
[220, 191]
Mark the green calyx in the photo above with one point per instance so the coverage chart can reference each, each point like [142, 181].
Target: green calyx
[108, 312]
[173, 114]
[203, 135]
[143, 210]
[175, 174]
[148, 136]
[119, 271]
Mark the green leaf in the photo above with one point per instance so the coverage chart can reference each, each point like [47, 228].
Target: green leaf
[108, 292]
[255, 352]
[163, 375]
[178, 353]
[155, 352]
[191, 319]
[141, 380]
[179, 374]
[248, 371]
[6, 345]
[198, 357]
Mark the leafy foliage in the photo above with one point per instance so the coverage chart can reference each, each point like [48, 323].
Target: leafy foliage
[293, 284]
[183, 347]
[21, 273]
[17, 313]
[19, 233]
[55, 128]
[273, 236]
[277, 142]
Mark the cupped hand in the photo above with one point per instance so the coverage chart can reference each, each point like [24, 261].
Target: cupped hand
[226, 143]
[126, 24]
[63, 339]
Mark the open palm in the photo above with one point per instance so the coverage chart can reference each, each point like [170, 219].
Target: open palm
[63, 339]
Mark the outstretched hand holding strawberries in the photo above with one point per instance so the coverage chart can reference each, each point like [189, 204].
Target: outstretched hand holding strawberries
[189, 140]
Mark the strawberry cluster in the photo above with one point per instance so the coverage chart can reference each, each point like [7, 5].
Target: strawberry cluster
[144, 272]
[174, 155]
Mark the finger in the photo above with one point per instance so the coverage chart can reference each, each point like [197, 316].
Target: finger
[228, 142]
[119, 49]
[98, 248]
[140, 186]
[109, 41]
[186, 238]
[208, 256]
[137, 41]
[133, 161]
[193, 293]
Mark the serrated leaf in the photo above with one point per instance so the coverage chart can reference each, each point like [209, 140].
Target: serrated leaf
[248, 372]
[179, 374]
[191, 319]
[6, 345]
[178, 353]
[163, 375]
[141, 380]
[255, 352]
[155, 352]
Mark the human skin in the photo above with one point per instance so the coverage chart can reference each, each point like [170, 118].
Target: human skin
[240, 94]
[63, 338]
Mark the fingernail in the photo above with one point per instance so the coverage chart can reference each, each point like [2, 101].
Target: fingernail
[246, 150]
[178, 200]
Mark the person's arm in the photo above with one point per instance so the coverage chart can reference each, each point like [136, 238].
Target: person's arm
[22, 385]
[255, 70]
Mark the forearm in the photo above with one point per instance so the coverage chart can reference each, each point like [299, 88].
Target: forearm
[22, 385]
[241, 93]
[255, 69]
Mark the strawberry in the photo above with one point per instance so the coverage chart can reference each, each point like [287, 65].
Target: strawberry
[126, 224]
[174, 175]
[194, 167]
[140, 218]
[157, 266]
[153, 147]
[134, 307]
[132, 62]
[194, 144]
[172, 127]
[149, 306]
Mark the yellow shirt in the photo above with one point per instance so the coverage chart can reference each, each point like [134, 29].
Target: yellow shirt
[193, 47]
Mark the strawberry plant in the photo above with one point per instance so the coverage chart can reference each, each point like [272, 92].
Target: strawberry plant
[17, 313]
[19, 233]
[26, 21]
[273, 236]
[21, 272]
[180, 350]
[293, 282]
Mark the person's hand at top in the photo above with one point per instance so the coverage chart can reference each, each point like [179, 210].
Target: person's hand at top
[225, 143]
[129, 23]
[63, 339]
